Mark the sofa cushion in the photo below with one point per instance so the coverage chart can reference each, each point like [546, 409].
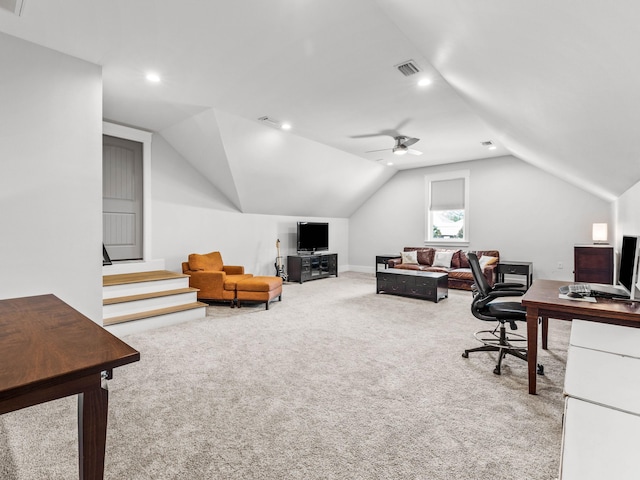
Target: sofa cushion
[425, 256]
[460, 259]
[455, 260]
[208, 262]
[410, 258]
[259, 284]
[442, 258]
[486, 260]
[464, 260]
[231, 281]
[436, 269]
[461, 273]
[488, 253]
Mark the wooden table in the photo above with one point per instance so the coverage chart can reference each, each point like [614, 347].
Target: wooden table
[48, 351]
[541, 301]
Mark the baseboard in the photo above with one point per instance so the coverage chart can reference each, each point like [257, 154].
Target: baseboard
[358, 268]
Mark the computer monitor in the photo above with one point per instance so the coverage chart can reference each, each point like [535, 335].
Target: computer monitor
[628, 271]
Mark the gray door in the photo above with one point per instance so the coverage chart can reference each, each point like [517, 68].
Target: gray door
[122, 198]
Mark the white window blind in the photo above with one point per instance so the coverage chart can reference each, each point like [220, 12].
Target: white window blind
[447, 195]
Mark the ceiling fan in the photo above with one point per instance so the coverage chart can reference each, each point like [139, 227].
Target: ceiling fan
[402, 146]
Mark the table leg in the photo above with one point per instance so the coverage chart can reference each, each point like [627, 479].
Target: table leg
[545, 329]
[92, 432]
[532, 347]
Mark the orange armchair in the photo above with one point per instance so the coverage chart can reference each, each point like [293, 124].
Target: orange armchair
[213, 279]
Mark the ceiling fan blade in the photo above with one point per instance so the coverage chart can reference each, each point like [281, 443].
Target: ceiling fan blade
[368, 135]
[410, 141]
[414, 152]
[381, 150]
[403, 124]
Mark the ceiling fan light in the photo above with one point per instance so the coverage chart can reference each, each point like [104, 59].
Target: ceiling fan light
[401, 150]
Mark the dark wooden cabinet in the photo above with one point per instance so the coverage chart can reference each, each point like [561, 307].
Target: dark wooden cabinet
[593, 263]
[301, 268]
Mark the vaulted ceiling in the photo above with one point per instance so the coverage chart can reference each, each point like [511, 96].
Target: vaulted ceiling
[552, 83]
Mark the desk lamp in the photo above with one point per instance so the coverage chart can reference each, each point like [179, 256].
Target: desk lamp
[599, 234]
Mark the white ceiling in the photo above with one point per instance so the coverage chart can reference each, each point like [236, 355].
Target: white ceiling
[554, 83]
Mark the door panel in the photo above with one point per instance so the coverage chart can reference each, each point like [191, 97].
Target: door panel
[122, 198]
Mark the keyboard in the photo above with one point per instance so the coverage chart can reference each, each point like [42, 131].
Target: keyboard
[583, 289]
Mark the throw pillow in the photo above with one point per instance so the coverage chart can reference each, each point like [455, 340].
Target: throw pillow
[410, 257]
[425, 256]
[442, 258]
[485, 260]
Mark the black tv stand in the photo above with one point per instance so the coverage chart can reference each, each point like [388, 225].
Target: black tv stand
[311, 266]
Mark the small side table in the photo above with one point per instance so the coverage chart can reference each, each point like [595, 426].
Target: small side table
[383, 259]
[515, 268]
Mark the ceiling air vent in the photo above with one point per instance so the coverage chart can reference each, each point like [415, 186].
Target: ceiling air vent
[269, 121]
[14, 6]
[408, 68]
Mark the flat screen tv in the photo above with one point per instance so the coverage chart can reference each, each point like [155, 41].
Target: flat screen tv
[313, 236]
[628, 271]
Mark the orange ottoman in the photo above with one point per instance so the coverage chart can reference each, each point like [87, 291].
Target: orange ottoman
[259, 289]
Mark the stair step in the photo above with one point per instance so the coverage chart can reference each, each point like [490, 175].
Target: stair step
[144, 296]
[125, 278]
[153, 313]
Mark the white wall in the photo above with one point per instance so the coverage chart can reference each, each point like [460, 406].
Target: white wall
[525, 213]
[191, 216]
[628, 218]
[50, 176]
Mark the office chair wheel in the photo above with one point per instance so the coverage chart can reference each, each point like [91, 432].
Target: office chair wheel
[465, 354]
[540, 369]
[497, 370]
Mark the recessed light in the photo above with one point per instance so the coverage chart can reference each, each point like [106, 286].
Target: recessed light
[389, 163]
[153, 77]
[489, 144]
[423, 82]
[286, 126]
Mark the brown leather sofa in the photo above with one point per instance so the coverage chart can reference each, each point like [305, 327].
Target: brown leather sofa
[215, 280]
[460, 276]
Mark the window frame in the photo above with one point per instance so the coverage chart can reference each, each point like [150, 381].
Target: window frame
[438, 177]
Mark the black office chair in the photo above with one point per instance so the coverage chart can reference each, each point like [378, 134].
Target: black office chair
[484, 308]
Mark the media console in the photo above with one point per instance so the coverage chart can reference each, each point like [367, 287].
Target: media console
[301, 268]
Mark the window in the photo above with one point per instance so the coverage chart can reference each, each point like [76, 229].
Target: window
[447, 207]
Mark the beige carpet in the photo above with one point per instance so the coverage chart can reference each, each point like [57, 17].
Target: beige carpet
[335, 382]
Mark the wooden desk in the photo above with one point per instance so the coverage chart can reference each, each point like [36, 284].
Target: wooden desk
[48, 351]
[541, 301]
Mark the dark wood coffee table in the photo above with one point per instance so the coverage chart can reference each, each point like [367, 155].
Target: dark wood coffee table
[48, 351]
[432, 286]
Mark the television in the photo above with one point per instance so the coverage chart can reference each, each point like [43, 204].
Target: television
[628, 271]
[313, 236]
